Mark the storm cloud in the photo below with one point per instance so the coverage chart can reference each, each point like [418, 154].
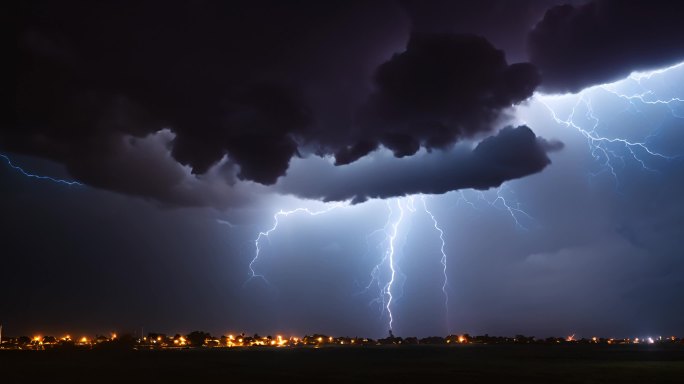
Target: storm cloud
[511, 154]
[243, 89]
[442, 89]
[602, 41]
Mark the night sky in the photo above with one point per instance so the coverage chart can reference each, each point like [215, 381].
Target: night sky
[538, 144]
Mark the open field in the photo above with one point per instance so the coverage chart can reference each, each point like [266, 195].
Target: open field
[419, 364]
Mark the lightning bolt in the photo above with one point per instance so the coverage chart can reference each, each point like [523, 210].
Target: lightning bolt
[647, 96]
[443, 260]
[498, 199]
[392, 266]
[613, 151]
[387, 291]
[513, 208]
[462, 198]
[375, 271]
[225, 222]
[267, 233]
[386, 274]
[40, 177]
[387, 263]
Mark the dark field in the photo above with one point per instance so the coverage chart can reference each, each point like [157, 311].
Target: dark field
[417, 364]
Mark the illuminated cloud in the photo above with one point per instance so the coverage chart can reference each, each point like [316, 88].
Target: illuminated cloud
[512, 153]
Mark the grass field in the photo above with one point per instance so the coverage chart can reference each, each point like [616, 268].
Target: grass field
[406, 364]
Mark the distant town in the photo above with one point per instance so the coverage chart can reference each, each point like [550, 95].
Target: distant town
[200, 339]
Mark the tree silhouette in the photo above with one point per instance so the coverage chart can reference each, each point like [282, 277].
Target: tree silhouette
[197, 338]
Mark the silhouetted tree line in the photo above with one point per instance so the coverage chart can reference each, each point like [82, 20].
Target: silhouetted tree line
[201, 339]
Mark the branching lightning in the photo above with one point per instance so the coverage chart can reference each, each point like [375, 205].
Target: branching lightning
[614, 151]
[386, 275]
[387, 262]
[375, 271]
[40, 177]
[387, 291]
[276, 221]
[514, 208]
[499, 200]
[443, 260]
[648, 96]
[392, 266]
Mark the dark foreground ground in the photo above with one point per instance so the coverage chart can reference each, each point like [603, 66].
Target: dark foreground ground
[415, 364]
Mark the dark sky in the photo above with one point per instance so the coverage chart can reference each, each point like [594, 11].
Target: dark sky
[189, 125]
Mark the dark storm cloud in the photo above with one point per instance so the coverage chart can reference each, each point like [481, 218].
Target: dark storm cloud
[91, 74]
[602, 41]
[257, 83]
[226, 79]
[256, 129]
[505, 23]
[442, 89]
[513, 153]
